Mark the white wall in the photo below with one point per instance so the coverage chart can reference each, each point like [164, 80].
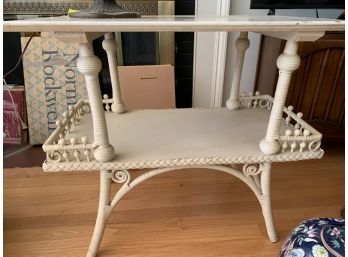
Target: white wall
[242, 7]
[209, 57]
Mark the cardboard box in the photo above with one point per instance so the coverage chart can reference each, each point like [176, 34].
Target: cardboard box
[147, 87]
[14, 133]
[52, 83]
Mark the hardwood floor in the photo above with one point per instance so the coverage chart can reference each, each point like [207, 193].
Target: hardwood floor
[185, 213]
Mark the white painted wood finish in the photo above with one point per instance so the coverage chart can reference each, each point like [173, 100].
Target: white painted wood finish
[287, 62]
[209, 57]
[175, 139]
[176, 23]
[255, 176]
[89, 65]
[160, 138]
[110, 47]
[242, 44]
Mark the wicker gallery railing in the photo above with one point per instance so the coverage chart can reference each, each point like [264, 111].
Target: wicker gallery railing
[298, 136]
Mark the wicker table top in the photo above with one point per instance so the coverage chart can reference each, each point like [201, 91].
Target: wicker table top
[176, 23]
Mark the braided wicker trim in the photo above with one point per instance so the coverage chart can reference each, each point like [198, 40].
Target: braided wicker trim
[94, 165]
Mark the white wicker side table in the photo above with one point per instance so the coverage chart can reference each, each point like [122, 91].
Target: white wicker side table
[242, 139]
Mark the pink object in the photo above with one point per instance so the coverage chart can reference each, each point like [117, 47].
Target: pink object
[13, 133]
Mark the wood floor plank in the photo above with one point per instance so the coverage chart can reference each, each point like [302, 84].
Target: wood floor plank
[186, 213]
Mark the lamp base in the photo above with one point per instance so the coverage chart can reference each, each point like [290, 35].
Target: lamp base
[104, 9]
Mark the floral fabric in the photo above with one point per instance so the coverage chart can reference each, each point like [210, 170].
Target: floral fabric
[322, 237]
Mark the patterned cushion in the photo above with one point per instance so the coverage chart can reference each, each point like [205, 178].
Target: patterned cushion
[323, 237]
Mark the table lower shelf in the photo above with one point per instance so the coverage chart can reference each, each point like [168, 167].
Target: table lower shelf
[181, 137]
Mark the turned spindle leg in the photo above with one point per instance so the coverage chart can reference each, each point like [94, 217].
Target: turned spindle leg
[265, 201]
[104, 212]
[110, 46]
[242, 43]
[89, 65]
[287, 62]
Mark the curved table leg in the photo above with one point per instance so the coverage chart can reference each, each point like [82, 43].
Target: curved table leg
[104, 211]
[256, 176]
[265, 201]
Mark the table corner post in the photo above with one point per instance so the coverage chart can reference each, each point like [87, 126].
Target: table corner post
[242, 44]
[90, 65]
[287, 63]
[110, 47]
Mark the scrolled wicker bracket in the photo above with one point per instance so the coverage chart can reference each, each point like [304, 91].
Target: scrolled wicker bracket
[120, 176]
[250, 100]
[249, 174]
[252, 169]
